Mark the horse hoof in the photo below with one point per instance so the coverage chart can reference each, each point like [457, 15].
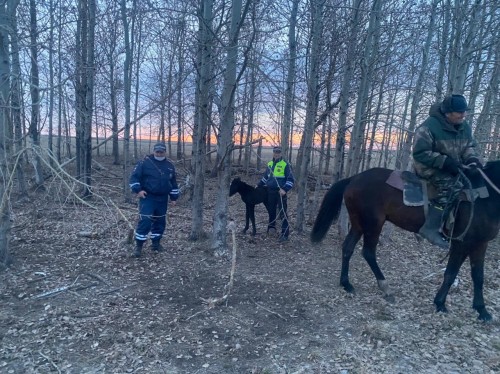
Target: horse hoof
[348, 288]
[441, 309]
[390, 299]
[484, 316]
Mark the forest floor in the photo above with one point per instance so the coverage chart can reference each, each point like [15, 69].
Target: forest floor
[74, 301]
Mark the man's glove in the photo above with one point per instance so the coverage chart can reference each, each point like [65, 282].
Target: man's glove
[451, 166]
[474, 160]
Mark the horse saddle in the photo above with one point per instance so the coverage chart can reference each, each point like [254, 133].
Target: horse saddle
[414, 189]
[415, 192]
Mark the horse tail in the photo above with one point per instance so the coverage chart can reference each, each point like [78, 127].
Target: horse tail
[329, 210]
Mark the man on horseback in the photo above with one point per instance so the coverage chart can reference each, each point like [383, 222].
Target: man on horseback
[442, 144]
[279, 180]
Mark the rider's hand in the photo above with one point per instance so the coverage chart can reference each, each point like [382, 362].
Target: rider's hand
[282, 192]
[451, 166]
[474, 161]
[142, 194]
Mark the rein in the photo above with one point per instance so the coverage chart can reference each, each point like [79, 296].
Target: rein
[488, 180]
[469, 186]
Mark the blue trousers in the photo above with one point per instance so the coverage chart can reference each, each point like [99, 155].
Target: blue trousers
[152, 218]
[275, 202]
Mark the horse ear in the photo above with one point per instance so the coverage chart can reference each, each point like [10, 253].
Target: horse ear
[237, 179]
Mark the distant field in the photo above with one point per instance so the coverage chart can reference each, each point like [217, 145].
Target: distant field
[144, 147]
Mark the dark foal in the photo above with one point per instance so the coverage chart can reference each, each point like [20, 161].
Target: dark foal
[370, 201]
[251, 196]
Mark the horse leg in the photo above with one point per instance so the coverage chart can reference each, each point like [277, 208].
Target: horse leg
[477, 275]
[369, 252]
[348, 246]
[457, 258]
[252, 218]
[247, 218]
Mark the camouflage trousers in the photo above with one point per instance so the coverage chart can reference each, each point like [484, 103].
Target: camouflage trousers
[446, 189]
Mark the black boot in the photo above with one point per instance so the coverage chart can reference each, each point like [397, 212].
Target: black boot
[156, 246]
[138, 248]
[431, 228]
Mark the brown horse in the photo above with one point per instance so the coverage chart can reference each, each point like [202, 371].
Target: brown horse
[370, 201]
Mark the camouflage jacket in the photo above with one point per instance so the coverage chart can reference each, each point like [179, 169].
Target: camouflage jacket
[435, 139]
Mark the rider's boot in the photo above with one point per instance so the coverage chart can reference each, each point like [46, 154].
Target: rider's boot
[431, 230]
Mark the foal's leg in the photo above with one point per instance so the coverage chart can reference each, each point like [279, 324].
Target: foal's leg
[247, 217]
[458, 255]
[252, 218]
[348, 246]
[477, 274]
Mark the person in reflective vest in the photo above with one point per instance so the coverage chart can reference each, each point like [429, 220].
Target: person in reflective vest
[278, 178]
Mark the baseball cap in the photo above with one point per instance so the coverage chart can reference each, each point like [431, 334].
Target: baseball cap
[160, 147]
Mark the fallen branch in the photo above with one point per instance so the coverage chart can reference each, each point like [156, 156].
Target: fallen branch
[56, 290]
[269, 310]
[50, 361]
[97, 277]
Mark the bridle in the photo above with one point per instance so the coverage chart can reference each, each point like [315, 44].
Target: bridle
[469, 186]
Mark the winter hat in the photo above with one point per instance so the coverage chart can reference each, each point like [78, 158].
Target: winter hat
[454, 103]
[160, 147]
[277, 149]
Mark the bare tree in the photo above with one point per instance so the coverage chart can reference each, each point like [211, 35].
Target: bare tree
[5, 136]
[311, 109]
[403, 161]
[368, 61]
[84, 91]
[225, 143]
[203, 114]
[15, 96]
[290, 79]
[35, 96]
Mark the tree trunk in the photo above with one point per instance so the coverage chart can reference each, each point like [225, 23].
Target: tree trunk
[367, 67]
[16, 97]
[202, 120]
[5, 137]
[290, 79]
[127, 89]
[311, 109]
[225, 145]
[35, 97]
[345, 92]
[419, 89]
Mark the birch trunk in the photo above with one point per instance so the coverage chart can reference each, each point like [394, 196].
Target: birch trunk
[345, 92]
[127, 88]
[290, 79]
[367, 67]
[311, 109]
[225, 145]
[419, 88]
[203, 111]
[35, 97]
[5, 137]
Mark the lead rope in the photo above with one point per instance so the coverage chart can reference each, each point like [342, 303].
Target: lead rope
[468, 186]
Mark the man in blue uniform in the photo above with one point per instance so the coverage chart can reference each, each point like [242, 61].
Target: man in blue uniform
[154, 181]
[279, 180]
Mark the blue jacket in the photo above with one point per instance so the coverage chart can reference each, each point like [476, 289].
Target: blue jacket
[157, 178]
[278, 175]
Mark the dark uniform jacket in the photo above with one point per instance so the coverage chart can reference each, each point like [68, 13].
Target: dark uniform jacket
[278, 175]
[436, 139]
[157, 178]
